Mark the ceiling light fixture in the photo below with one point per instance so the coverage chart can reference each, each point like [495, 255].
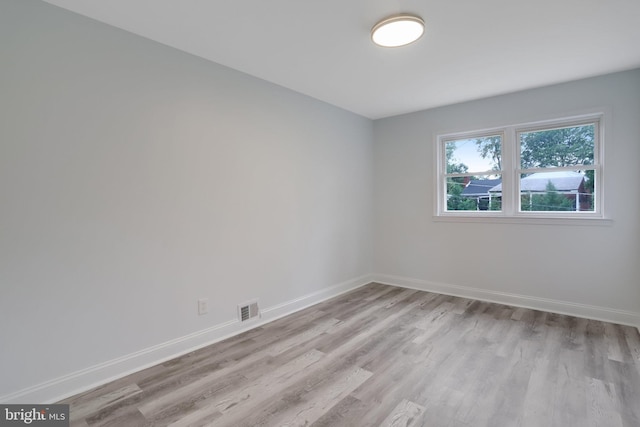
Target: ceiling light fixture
[397, 30]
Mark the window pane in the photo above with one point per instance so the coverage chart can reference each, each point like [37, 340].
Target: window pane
[474, 154]
[569, 146]
[565, 191]
[474, 193]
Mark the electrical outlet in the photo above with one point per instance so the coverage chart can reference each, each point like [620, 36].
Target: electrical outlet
[203, 306]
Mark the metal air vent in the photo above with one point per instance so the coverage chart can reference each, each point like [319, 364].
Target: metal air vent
[248, 311]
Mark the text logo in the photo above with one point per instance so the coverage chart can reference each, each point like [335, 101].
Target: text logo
[34, 415]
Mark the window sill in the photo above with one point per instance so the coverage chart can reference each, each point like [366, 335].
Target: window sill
[530, 220]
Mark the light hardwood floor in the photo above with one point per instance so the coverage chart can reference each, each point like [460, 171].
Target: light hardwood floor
[382, 355]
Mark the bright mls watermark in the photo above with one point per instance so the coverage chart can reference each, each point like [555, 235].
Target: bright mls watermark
[34, 415]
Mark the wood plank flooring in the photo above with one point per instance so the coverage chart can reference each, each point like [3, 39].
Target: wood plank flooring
[387, 356]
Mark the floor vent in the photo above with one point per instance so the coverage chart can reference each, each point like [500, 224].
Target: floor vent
[248, 311]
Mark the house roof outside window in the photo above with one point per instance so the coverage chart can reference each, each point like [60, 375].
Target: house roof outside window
[480, 187]
[564, 181]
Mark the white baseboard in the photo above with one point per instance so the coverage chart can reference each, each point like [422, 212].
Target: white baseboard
[88, 378]
[543, 304]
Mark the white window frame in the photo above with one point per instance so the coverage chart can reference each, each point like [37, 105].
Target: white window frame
[511, 170]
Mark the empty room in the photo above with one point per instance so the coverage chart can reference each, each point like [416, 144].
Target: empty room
[331, 213]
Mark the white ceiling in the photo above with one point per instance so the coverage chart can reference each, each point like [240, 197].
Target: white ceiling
[471, 49]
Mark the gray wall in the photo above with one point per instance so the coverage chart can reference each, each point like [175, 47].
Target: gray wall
[584, 266]
[135, 179]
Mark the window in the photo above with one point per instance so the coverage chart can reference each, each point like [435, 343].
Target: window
[537, 170]
[473, 168]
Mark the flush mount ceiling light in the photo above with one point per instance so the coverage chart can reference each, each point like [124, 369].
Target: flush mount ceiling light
[398, 30]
